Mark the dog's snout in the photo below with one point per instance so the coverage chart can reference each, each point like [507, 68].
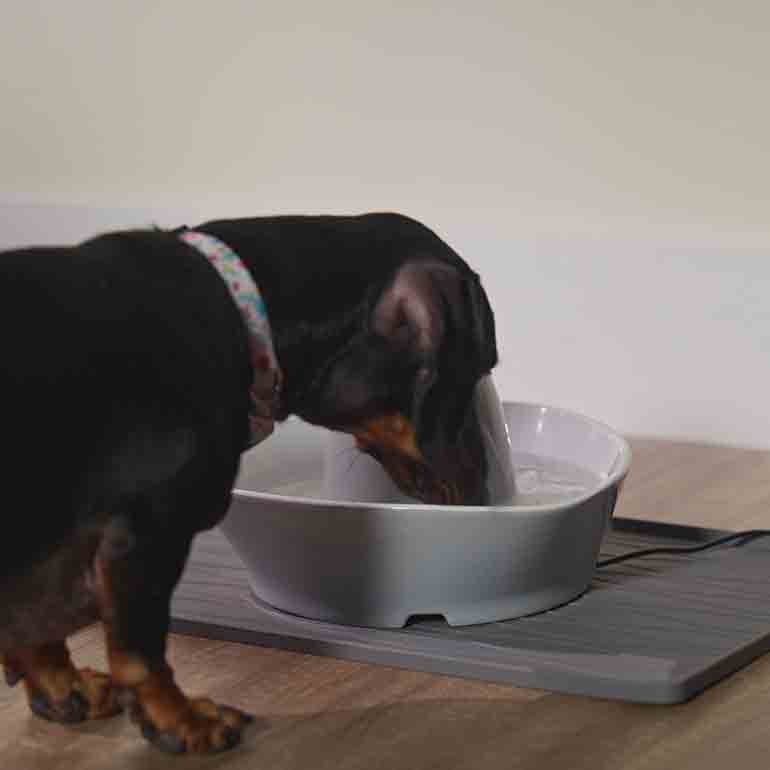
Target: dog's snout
[445, 472]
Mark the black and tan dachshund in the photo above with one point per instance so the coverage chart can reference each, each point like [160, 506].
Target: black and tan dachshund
[125, 378]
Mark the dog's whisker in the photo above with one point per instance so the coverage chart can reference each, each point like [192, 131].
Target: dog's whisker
[352, 452]
[353, 460]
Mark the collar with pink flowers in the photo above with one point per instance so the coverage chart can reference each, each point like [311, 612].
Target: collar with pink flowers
[266, 385]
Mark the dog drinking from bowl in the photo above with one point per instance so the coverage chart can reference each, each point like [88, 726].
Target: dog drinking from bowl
[137, 366]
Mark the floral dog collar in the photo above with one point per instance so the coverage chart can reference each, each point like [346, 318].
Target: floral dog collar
[246, 295]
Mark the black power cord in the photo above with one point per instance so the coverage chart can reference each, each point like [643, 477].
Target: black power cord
[744, 537]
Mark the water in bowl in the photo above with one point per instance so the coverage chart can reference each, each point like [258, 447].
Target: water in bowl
[546, 480]
[539, 481]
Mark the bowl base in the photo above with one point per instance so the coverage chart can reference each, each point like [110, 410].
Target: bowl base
[467, 614]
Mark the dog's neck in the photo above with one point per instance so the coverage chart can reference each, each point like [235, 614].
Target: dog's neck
[266, 382]
[305, 351]
[310, 323]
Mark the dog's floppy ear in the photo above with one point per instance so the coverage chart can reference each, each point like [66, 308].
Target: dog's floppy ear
[410, 313]
[429, 303]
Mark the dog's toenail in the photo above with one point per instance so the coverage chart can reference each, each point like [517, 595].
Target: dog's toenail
[169, 743]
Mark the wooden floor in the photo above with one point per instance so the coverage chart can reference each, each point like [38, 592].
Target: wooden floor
[319, 713]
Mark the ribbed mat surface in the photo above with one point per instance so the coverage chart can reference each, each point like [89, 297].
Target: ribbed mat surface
[655, 630]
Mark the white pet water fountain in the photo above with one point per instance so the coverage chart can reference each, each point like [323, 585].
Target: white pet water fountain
[326, 535]
[321, 554]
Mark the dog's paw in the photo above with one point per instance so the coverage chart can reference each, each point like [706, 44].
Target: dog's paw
[84, 695]
[69, 710]
[204, 727]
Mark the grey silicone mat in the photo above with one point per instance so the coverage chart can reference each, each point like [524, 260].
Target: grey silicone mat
[655, 630]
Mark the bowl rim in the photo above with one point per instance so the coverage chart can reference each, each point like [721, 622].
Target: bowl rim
[615, 477]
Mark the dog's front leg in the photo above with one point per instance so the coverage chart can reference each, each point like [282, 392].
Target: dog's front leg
[134, 589]
[58, 691]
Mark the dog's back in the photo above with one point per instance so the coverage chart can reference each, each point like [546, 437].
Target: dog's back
[120, 359]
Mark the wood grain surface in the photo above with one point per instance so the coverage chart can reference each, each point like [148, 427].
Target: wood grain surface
[319, 713]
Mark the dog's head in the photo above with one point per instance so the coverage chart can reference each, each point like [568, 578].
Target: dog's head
[403, 385]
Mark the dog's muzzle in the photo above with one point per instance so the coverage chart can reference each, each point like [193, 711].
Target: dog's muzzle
[457, 477]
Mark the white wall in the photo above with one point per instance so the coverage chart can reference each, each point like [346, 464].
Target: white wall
[603, 164]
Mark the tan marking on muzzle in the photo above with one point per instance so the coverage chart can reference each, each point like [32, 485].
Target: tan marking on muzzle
[394, 433]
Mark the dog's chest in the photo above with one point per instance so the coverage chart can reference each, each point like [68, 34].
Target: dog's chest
[50, 600]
